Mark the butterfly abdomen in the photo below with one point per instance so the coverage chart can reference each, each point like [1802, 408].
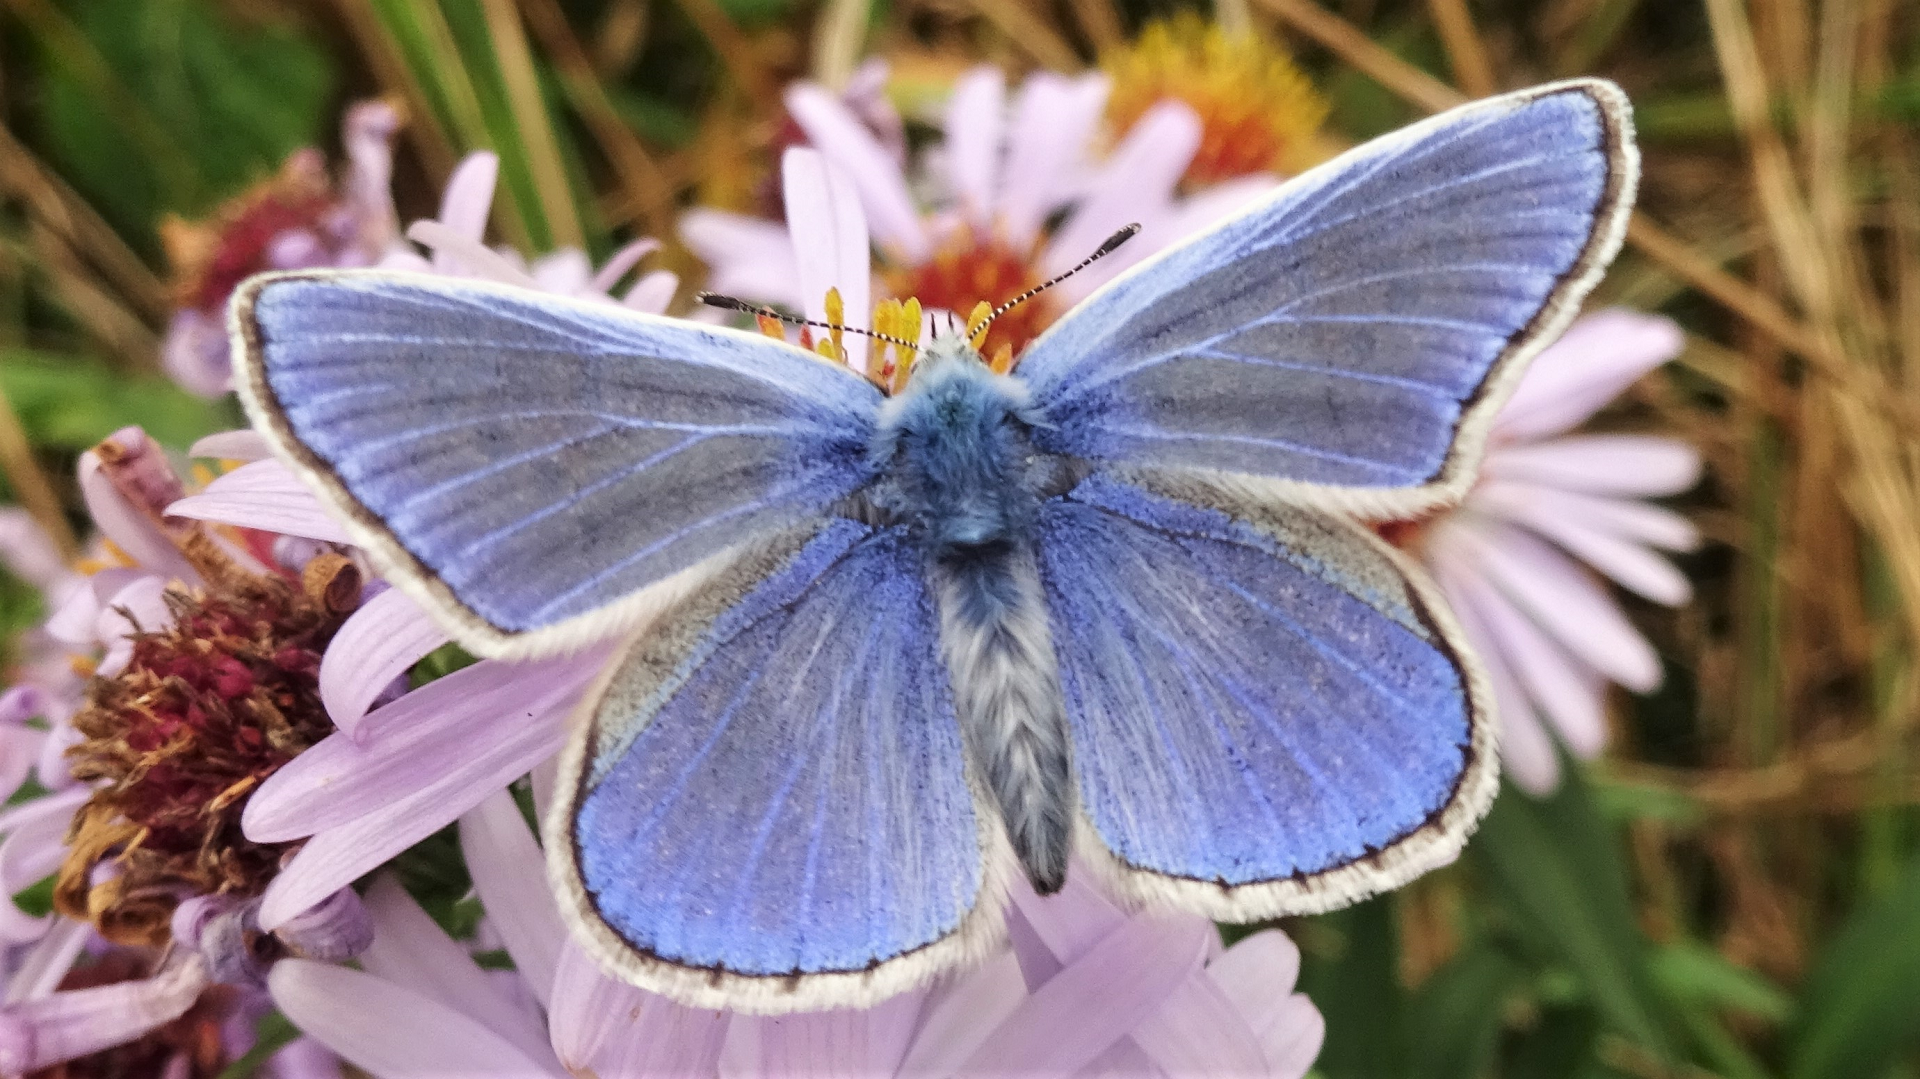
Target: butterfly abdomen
[958, 470]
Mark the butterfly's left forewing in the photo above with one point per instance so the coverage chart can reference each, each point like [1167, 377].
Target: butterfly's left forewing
[1270, 715]
[769, 807]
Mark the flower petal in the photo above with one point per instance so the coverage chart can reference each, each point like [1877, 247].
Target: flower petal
[1135, 185]
[466, 255]
[850, 146]
[265, 495]
[124, 523]
[962, 1015]
[1292, 1038]
[975, 127]
[447, 762]
[1567, 695]
[441, 729]
[1598, 358]
[1526, 749]
[390, 1032]
[829, 243]
[1637, 465]
[499, 851]
[415, 954]
[603, 1027]
[1097, 1000]
[827, 1045]
[34, 847]
[653, 292]
[620, 262]
[39, 1033]
[242, 445]
[1199, 1032]
[746, 256]
[46, 962]
[1053, 124]
[376, 645]
[467, 200]
[1561, 599]
[1565, 519]
[1071, 921]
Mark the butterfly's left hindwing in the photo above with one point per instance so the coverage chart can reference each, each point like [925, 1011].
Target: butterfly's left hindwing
[1270, 714]
[769, 807]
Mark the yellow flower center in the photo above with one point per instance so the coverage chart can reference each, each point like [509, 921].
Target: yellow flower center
[1258, 112]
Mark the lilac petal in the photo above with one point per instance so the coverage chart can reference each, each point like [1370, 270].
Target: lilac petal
[1053, 124]
[335, 929]
[1097, 1000]
[882, 186]
[304, 1058]
[456, 252]
[975, 125]
[415, 954]
[1564, 519]
[603, 1027]
[19, 751]
[34, 847]
[196, 354]
[1525, 747]
[1623, 518]
[376, 645]
[242, 445]
[1563, 600]
[1598, 357]
[566, 271]
[1198, 1031]
[123, 523]
[1136, 181]
[442, 727]
[653, 292]
[961, 1017]
[1071, 921]
[829, 242]
[27, 551]
[1257, 969]
[1037, 962]
[623, 260]
[468, 198]
[265, 495]
[390, 1032]
[1292, 1039]
[367, 135]
[416, 781]
[1634, 465]
[45, 964]
[1567, 695]
[827, 1045]
[746, 256]
[43, 1032]
[499, 849]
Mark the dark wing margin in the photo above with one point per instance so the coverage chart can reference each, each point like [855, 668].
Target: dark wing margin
[1346, 342]
[531, 466]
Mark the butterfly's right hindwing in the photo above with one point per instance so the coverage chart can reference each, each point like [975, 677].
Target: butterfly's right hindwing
[769, 806]
[523, 463]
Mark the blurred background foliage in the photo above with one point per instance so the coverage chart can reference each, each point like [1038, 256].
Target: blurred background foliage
[1733, 891]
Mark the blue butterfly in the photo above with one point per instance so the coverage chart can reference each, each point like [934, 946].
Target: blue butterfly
[885, 653]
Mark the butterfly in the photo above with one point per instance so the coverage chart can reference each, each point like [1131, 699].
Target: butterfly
[1116, 612]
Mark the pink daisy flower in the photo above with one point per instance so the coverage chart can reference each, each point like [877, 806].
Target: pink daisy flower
[1510, 558]
[1083, 990]
[1003, 171]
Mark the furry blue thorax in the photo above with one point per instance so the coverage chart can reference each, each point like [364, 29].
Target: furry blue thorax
[954, 453]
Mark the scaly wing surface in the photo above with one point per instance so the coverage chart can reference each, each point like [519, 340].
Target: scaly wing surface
[1345, 342]
[770, 807]
[526, 463]
[1269, 716]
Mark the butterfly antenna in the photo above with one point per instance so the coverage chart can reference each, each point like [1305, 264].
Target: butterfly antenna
[731, 303]
[1113, 242]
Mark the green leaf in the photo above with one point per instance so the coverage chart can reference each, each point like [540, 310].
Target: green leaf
[1456, 1014]
[273, 1033]
[36, 900]
[1350, 970]
[1860, 1004]
[1553, 863]
[70, 402]
[439, 663]
[1692, 973]
[1559, 1046]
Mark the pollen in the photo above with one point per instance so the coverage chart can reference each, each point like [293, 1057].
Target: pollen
[971, 269]
[1258, 112]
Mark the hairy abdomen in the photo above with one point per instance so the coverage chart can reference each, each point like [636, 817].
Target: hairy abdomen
[993, 627]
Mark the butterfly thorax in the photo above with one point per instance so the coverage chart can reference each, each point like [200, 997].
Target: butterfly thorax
[960, 474]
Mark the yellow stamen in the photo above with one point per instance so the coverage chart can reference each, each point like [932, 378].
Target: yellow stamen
[837, 315]
[772, 327]
[1002, 360]
[977, 323]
